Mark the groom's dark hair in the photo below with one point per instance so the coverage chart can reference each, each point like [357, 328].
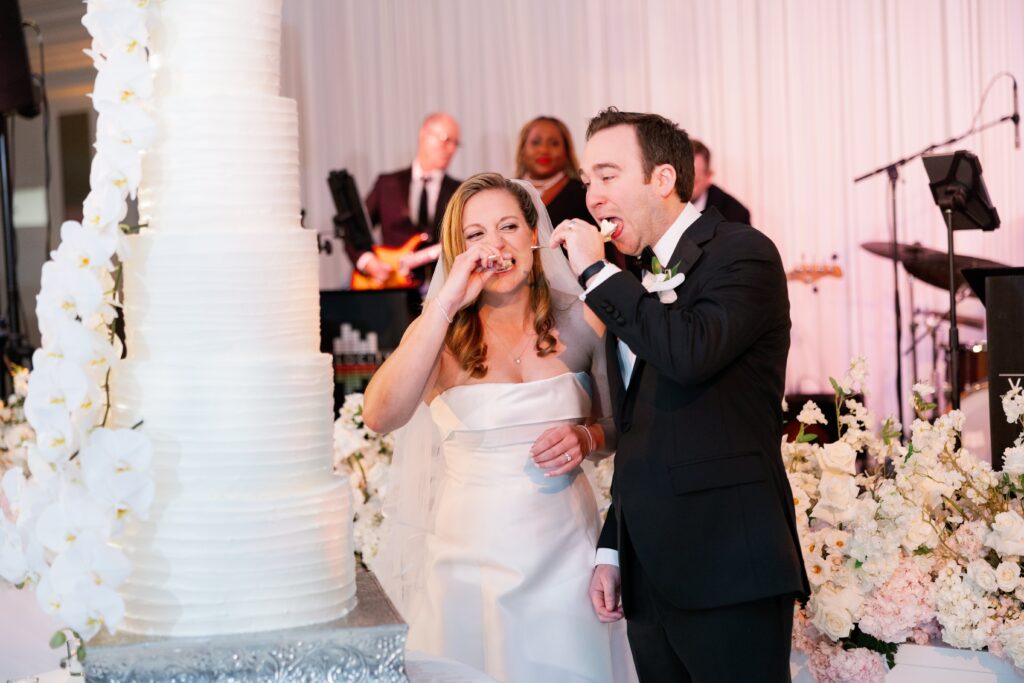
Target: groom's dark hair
[661, 142]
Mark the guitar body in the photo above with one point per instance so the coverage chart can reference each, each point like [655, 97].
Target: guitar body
[403, 259]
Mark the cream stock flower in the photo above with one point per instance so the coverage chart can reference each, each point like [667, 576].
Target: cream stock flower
[1013, 402]
[1013, 460]
[811, 414]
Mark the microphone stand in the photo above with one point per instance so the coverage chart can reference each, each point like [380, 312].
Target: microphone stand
[892, 170]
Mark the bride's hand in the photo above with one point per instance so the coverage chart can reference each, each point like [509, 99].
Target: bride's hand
[559, 450]
[467, 276]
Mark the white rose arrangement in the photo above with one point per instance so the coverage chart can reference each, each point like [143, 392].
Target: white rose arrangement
[915, 542]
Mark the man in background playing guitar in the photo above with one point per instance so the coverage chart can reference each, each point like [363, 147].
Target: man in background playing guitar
[408, 205]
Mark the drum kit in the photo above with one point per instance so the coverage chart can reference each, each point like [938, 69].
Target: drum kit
[932, 267]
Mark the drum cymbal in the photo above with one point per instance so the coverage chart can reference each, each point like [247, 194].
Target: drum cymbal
[930, 265]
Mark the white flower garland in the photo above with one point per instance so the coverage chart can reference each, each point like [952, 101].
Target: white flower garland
[86, 480]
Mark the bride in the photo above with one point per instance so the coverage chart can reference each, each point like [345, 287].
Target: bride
[505, 367]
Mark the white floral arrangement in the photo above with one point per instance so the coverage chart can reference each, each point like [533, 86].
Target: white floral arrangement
[15, 432]
[80, 482]
[365, 456]
[922, 545]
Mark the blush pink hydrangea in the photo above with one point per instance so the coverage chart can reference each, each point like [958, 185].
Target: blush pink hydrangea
[902, 605]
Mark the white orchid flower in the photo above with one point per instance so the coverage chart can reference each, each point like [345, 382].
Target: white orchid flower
[122, 79]
[75, 343]
[106, 565]
[12, 486]
[126, 124]
[70, 591]
[115, 30]
[68, 292]
[74, 516]
[118, 165]
[79, 248]
[104, 208]
[116, 468]
[89, 412]
[13, 561]
[58, 386]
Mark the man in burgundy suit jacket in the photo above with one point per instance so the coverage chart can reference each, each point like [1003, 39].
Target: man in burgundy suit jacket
[410, 201]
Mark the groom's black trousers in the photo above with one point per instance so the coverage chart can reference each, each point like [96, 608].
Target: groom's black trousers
[744, 643]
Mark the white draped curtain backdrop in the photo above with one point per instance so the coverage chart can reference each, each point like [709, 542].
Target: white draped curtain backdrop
[795, 98]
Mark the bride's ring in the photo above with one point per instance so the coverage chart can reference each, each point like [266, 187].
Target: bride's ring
[568, 458]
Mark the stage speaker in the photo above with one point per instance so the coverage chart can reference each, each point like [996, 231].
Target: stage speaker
[17, 92]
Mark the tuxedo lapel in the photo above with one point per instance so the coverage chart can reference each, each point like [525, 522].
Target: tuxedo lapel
[688, 250]
[687, 253]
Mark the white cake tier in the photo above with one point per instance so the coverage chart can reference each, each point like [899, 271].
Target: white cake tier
[229, 563]
[222, 163]
[255, 425]
[223, 296]
[227, 47]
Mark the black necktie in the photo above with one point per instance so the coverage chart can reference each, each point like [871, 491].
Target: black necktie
[423, 218]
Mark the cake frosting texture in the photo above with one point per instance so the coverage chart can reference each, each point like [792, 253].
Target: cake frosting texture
[250, 529]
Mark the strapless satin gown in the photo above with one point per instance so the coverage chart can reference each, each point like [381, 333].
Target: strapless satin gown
[510, 559]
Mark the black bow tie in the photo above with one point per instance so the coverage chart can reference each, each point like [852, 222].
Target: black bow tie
[647, 258]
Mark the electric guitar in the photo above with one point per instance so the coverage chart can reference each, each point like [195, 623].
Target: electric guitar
[809, 273]
[403, 260]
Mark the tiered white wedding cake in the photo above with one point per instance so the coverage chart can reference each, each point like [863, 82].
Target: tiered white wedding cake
[250, 530]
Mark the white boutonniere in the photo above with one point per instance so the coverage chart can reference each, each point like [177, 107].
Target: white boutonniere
[663, 281]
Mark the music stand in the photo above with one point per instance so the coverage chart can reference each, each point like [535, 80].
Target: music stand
[351, 222]
[960, 193]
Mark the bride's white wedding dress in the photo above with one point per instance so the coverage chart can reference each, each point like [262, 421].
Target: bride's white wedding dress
[511, 554]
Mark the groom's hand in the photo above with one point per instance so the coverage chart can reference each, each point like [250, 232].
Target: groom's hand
[582, 241]
[606, 593]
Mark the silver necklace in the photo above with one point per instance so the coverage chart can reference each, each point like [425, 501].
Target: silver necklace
[516, 358]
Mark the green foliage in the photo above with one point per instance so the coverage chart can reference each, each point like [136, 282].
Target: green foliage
[858, 638]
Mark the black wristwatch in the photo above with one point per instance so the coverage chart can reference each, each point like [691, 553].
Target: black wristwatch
[590, 271]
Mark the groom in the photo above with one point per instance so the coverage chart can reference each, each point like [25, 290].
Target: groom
[700, 542]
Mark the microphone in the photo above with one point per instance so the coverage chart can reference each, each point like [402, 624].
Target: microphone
[1015, 118]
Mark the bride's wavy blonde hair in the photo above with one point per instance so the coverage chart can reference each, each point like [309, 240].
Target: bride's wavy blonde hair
[465, 337]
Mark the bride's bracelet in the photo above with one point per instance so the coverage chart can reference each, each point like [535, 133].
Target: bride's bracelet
[590, 440]
[443, 310]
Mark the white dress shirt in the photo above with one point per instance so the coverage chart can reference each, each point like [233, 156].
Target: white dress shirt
[701, 202]
[627, 359]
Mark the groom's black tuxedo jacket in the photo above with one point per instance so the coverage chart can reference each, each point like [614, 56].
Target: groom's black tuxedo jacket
[699, 487]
